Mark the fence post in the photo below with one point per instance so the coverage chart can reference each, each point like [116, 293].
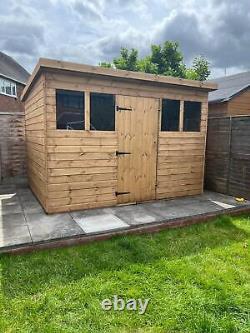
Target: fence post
[229, 154]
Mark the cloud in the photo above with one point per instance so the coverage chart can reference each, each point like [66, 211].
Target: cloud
[184, 28]
[90, 11]
[20, 37]
[92, 31]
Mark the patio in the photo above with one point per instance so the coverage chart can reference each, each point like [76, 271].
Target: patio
[24, 225]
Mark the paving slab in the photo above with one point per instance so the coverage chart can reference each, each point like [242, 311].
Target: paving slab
[11, 220]
[14, 235]
[47, 227]
[136, 214]
[24, 223]
[10, 208]
[31, 207]
[7, 189]
[96, 221]
[27, 197]
[213, 196]
[21, 191]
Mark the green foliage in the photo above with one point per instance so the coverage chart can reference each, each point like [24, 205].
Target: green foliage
[201, 67]
[127, 60]
[105, 64]
[197, 279]
[146, 65]
[166, 59]
[191, 74]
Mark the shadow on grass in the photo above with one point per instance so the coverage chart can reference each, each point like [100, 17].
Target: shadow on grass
[29, 274]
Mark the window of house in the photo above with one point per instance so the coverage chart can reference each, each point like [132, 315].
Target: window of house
[70, 110]
[102, 112]
[170, 115]
[192, 116]
[7, 87]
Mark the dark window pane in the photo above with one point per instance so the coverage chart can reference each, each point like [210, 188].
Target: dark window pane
[102, 112]
[69, 110]
[170, 115]
[13, 90]
[192, 116]
[8, 90]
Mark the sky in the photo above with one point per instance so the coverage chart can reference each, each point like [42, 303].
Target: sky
[88, 32]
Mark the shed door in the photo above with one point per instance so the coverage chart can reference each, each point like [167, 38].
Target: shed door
[137, 127]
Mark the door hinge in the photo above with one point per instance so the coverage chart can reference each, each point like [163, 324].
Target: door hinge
[120, 108]
[122, 153]
[120, 193]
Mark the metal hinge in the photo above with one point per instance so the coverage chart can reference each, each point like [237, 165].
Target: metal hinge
[120, 108]
[120, 193]
[121, 153]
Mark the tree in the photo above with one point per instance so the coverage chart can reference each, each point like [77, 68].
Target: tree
[127, 60]
[166, 59]
[201, 68]
[146, 65]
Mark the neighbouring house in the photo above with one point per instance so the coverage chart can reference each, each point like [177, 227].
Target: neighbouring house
[228, 139]
[100, 137]
[13, 78]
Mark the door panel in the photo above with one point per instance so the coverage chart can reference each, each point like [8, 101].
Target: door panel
[137, 127]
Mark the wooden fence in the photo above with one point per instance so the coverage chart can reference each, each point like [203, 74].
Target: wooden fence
[228, 156]
[12, 146]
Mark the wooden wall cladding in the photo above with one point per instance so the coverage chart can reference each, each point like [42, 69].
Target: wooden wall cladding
[36, 140]
[180, 164]
[82, 170]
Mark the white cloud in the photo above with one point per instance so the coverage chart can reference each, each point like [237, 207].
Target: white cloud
[92, 31]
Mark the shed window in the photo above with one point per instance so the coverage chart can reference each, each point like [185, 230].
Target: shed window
[192, 116]
[102, 112]
[70, 110]
[170, 115]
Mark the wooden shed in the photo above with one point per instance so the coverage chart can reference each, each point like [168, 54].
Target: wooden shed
[100, 137]
[228, 140]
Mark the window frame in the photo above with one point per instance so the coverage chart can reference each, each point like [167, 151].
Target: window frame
[179, 111]
[7, 83]
[181, 115]
[83, 113]
[192, 131]
[89, 110]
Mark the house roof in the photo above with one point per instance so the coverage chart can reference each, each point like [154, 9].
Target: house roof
[10, 69]
[56, 65]
[229, 86]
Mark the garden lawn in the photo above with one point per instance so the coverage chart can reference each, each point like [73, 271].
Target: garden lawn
[197, 279]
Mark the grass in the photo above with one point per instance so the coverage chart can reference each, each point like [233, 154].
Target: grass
[197, 279]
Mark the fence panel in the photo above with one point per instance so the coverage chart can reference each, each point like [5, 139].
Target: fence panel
[228, 156]
[12, 145]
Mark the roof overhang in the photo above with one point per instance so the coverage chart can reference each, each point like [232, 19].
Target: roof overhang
[58, 66]
[228, 98]
[12, 79]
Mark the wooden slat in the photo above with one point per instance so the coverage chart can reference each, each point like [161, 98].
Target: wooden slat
[82, 178]
[81, 171]
[81, 185]
[80, 156]
[81, 141]
[82, 164]
[82, 149]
